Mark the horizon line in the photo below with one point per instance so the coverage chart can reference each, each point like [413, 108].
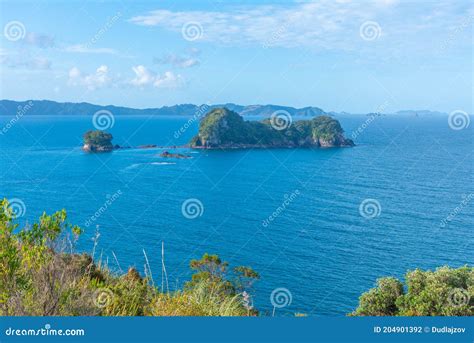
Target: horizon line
[230, 103]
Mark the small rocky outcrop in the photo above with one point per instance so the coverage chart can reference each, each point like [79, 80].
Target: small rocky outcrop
[101, 141]
[98, 141]
[167, 154]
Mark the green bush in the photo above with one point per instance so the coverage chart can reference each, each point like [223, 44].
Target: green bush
[41, 276]
[443, 292]
[98, 138]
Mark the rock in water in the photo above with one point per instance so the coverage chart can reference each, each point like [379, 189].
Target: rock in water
[98, 141]
[172, 155]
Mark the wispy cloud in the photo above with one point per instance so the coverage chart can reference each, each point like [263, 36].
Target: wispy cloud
[145, 77]
[85, 49]
[15, 60]
[42, 41]
[99, 79]
[177, 61]
[321, 25]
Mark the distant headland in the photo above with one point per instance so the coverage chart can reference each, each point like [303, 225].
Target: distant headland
[48, 107]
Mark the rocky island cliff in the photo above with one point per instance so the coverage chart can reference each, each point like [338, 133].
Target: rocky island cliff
[98, 141]
[101, 141]
[223, 128]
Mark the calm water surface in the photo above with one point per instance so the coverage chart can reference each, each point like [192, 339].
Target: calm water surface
[319, 247]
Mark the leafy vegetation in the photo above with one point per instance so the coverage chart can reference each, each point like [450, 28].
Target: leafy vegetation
[443, 292]
[40, 275]
[224, 128]
[98, 140]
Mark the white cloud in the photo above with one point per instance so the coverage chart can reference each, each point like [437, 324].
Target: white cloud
[178, 61]
[85, 49]
[74, 73]
[145, 77]
[299, 25]
[40, 63]
[168, 80]
[101, 78]
[325, 24]
[24, 60]
[39, 40]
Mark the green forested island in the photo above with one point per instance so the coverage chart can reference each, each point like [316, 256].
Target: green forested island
[223, 128]
[97, 141]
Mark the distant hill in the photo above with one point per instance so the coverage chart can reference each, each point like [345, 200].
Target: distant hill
[420, 113]
[47, 107]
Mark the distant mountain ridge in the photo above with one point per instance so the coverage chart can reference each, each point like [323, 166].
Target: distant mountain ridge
[47, 107]
[42, 107]
[420, 113]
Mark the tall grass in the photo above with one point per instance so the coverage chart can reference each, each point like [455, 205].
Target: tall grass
[39, 277]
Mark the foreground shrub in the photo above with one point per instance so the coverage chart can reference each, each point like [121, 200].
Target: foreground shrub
[40, 275]
[443, 292]
[203, 299]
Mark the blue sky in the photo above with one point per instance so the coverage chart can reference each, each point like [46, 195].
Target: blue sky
[354, 56]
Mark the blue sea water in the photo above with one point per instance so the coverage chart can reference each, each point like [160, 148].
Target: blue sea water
[291, 214]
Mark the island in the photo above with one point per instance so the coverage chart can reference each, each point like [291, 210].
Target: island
[101, 141]
[223, 128]
[98, 141]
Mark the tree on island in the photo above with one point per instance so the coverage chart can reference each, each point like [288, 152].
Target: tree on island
[98, 141]
[42, 275]
[223, 128]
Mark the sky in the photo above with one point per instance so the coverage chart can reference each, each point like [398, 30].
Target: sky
[343, 55]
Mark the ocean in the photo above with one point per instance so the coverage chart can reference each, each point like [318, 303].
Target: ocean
[319, 225]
